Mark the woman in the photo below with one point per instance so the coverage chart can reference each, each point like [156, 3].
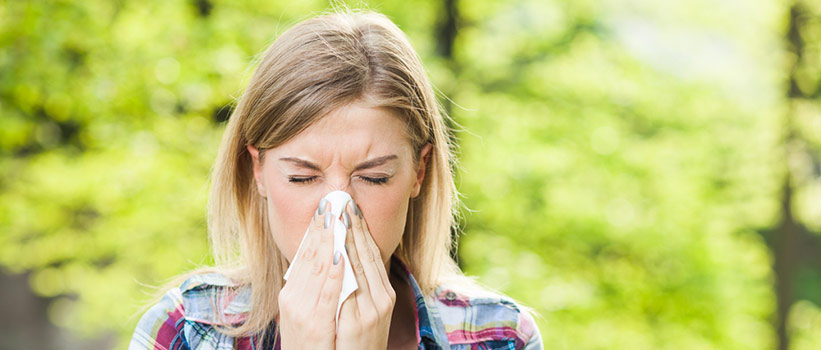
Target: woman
[338, 103]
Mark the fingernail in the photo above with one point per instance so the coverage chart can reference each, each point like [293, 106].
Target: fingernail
[321, 209]
[346, 219]
[337, 256]
[356, 210]
[328, 219]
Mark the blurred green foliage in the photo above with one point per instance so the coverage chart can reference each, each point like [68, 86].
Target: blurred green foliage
[623, 159]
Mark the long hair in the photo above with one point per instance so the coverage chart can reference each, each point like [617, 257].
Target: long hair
[315, 67]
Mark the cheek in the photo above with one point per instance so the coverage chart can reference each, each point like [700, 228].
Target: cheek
[385, 213]
[289, 213]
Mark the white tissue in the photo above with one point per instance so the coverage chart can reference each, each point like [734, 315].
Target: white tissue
[338, 200]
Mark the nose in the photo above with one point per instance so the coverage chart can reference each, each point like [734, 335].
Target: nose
[340, 183]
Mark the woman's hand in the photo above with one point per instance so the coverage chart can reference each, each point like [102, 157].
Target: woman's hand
[365, 318]
[307, 302]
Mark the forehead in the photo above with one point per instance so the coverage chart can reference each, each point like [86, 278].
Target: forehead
[355, 130]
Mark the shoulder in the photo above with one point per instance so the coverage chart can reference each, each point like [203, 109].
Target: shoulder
[475, 316]
[187, 316]
[160, 324]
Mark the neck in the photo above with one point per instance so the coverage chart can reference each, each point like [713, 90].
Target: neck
[402, 333]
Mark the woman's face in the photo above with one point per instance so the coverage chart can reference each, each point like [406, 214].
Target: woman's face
[357, 149]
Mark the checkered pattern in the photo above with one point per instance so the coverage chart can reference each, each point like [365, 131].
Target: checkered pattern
[185, 318]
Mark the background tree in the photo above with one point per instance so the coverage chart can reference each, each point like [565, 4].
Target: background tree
[796, 248]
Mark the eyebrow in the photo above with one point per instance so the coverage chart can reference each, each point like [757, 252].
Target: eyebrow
[364, 165]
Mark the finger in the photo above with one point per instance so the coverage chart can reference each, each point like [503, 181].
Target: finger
[329, 296]
[359, 221]
[349, 313]
[308, 245]
[360, 224]
[315, 259]
[356, 263]
[371, 262]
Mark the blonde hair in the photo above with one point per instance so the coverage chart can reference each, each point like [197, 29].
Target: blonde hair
[315, 67]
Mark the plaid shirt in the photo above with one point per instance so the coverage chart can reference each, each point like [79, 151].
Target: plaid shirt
[185, 319]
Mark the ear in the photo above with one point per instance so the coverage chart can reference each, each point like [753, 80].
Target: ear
[257, 169]
[424, 157]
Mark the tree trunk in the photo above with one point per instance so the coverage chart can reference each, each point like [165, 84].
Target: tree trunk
[785, 249]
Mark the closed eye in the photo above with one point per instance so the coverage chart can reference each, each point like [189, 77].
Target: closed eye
[309, 179]
[375, 180]
[301, 180]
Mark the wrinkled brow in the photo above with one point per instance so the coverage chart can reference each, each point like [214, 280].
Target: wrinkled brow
[361, 166]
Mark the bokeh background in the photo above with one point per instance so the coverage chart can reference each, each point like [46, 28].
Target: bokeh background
[645, 174]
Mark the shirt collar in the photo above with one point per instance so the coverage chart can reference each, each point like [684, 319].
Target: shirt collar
[426, 330]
